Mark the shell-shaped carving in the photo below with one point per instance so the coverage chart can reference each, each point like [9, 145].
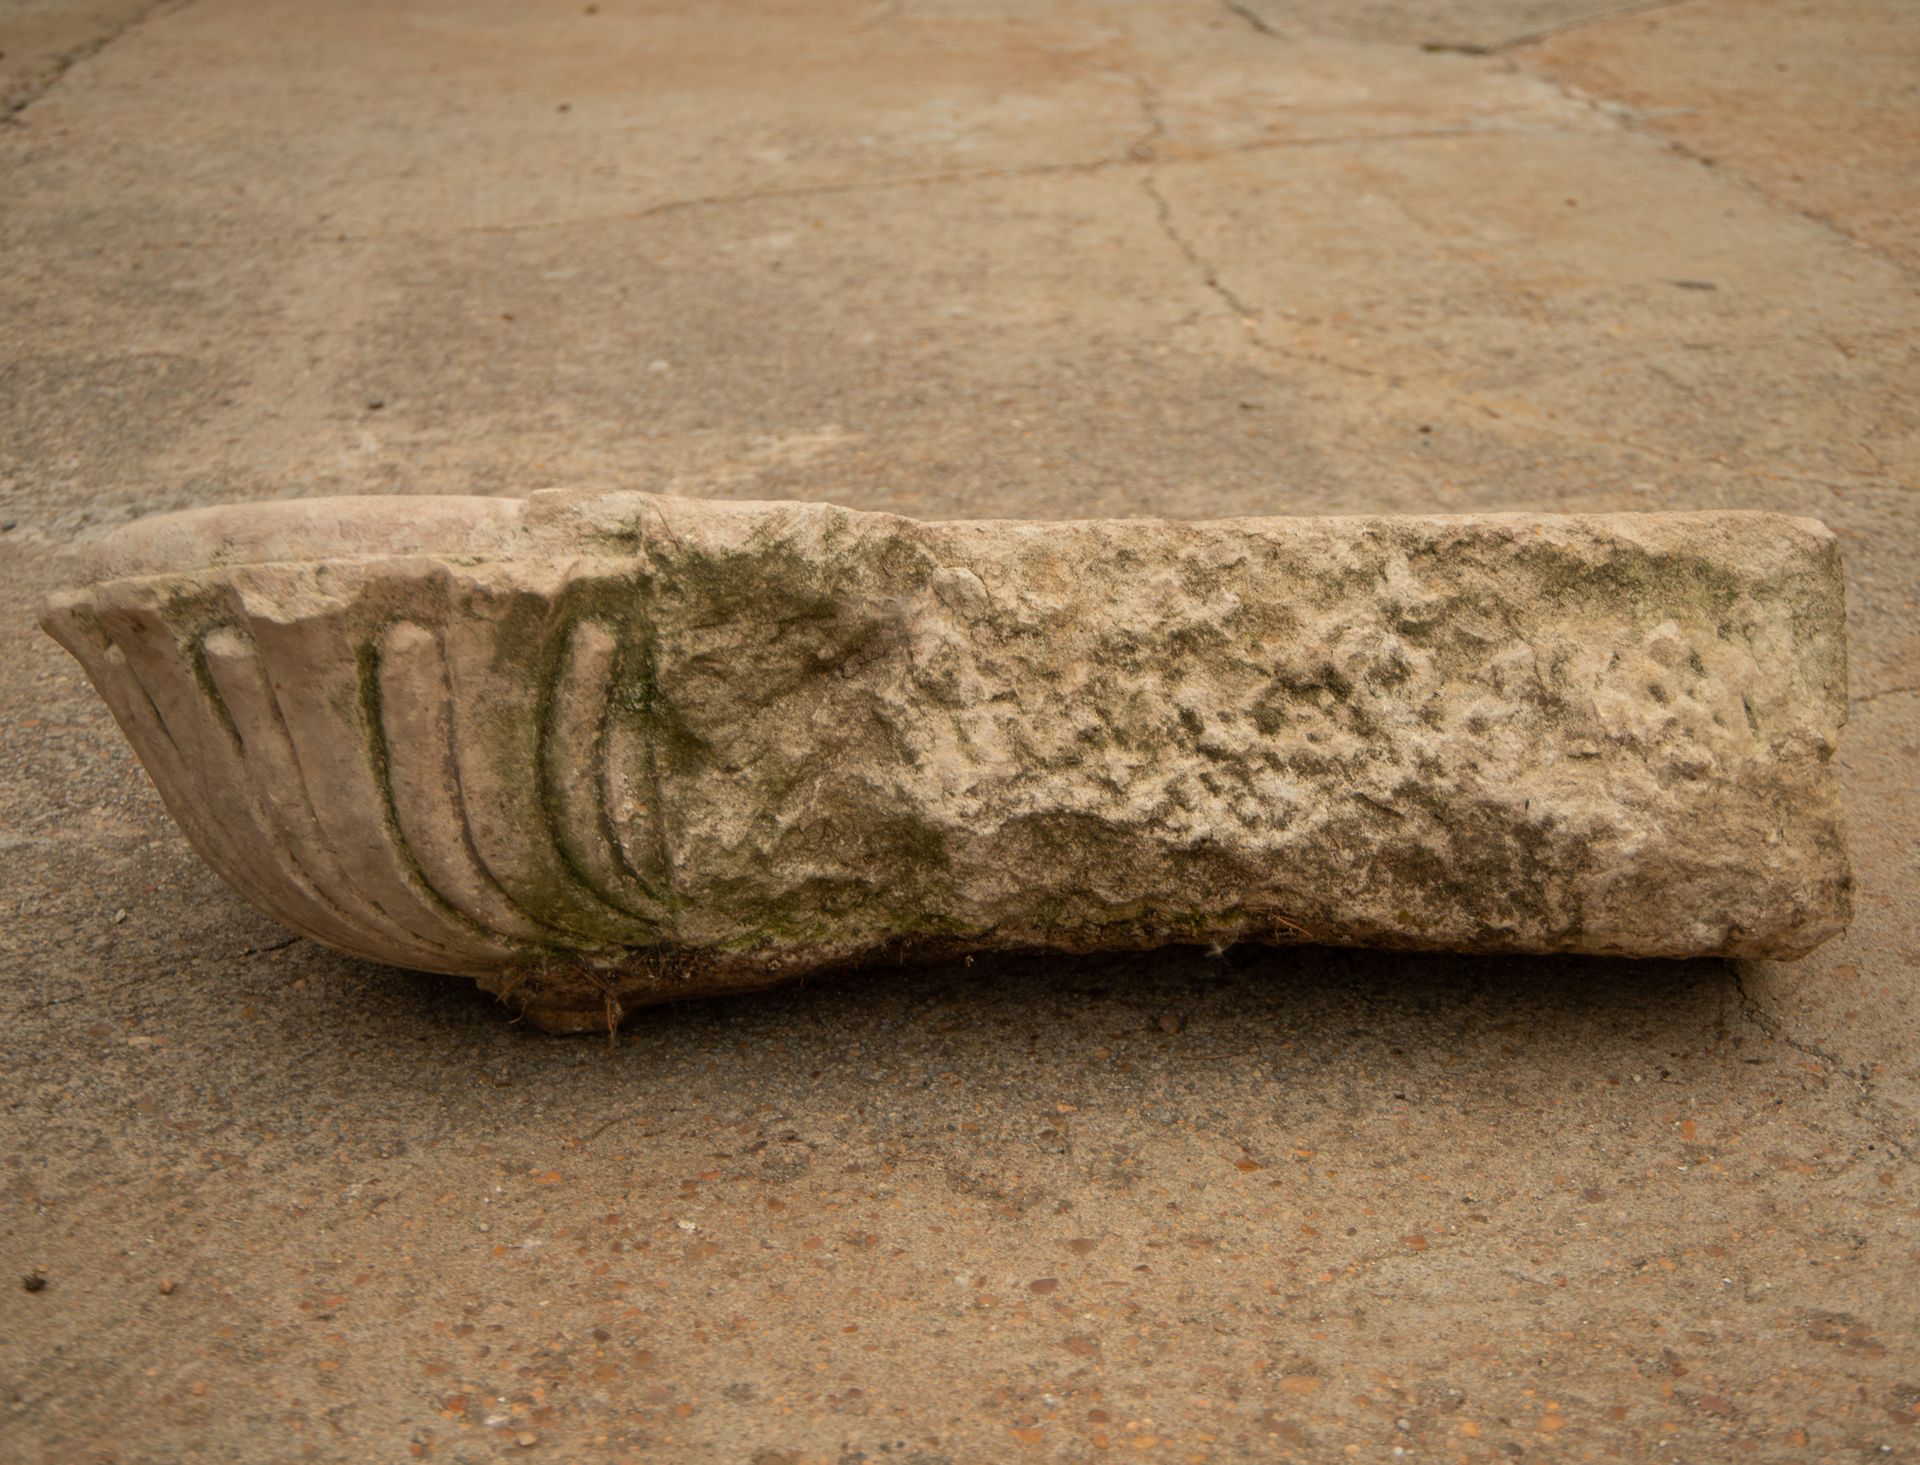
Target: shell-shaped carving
[597, 749]
[440, 768]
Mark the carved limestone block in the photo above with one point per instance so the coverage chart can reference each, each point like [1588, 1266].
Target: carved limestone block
[594, 750]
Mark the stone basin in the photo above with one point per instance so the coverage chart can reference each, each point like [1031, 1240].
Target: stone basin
[594, 750]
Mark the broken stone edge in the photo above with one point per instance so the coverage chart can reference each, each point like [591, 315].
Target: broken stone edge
[226, 709]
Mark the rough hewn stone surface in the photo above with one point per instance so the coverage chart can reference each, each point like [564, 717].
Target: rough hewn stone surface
[596, 750]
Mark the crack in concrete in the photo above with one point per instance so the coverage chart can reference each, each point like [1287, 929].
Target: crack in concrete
[1636, 123]
[1868, 1105]
[1251, 16]
[1623, 119]
[883, 14]
[1633, 124]
[61, 64]
[1209, 277]
[1246, 314]
[1875, 696]
[1089, 168]
[1250, 315]
[1141, 152]
[1261, 24]
[1155, 126]
[1546, 33]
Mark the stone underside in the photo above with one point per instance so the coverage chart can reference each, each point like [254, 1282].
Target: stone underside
[597, 750]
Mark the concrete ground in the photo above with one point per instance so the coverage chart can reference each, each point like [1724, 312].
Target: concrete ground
[953, 257]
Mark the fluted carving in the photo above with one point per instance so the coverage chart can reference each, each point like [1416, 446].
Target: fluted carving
[599, 749]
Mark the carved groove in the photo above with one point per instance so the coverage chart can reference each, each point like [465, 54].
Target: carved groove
[380, 765]
[278, 788]
[592, 761]
[194, 733]
[622, 750]
[422, 781]
[573, 695]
